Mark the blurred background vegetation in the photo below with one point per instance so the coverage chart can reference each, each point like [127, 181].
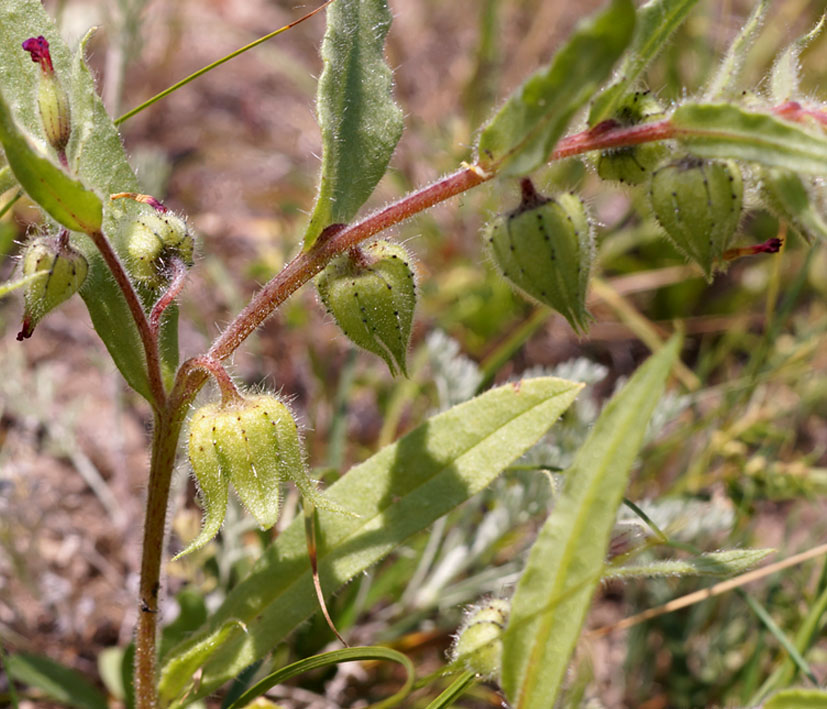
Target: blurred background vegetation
[738, 454]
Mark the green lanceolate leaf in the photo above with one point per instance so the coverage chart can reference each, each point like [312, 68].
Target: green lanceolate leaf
[399, 491]
[784, 77]
[361, 124]
[726, 131]
[718, 564]
[521, 136]
[656, 21]
[566, 562]
[724, 84]
[65, 199]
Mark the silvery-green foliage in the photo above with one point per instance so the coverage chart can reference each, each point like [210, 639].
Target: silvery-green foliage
[685, 520]
[456, 377]
[557, 449]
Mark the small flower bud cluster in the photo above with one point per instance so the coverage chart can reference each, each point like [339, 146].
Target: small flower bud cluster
[153, 240]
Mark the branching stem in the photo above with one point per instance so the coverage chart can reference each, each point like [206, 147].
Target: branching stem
[193, 373]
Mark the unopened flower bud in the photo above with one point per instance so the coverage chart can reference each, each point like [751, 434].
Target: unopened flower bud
[545, 247]
[632, 164]
[64, 271]
[478, 644]
[698, 204]
[52, 99]
[153, 240]
[371, 292]
[253, 443]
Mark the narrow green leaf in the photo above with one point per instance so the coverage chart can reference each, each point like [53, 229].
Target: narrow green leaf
[656, 21]
[719, 564]
[726, 131]
[56, 681]
[397, 492]
[65, 199]
[349, 654]
[361, 124]
[566, 562]
[798, 699]
[724, 84]
[458, 687]
[521, 136]
[784, 79]
[808, 632]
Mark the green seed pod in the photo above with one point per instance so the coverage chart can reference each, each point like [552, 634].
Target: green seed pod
[545, 247]
[52, 99]
[65, 271]
[478, 644]
[698, 204]
[371, 292]
[153, 240]
[254, 444]
[632, 164]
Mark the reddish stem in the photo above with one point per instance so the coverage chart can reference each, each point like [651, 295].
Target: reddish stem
[148, 337]
[229, 391]
[176, 285]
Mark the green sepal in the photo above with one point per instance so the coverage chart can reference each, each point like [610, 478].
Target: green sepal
[213, 485]
[784, 78]
[545, 248]
[53, 103]
[698, 204]
[371, 292]
[65, 269]
[521, 136]
[725, 83]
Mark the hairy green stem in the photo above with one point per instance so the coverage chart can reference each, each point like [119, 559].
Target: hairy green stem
[164, 448]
